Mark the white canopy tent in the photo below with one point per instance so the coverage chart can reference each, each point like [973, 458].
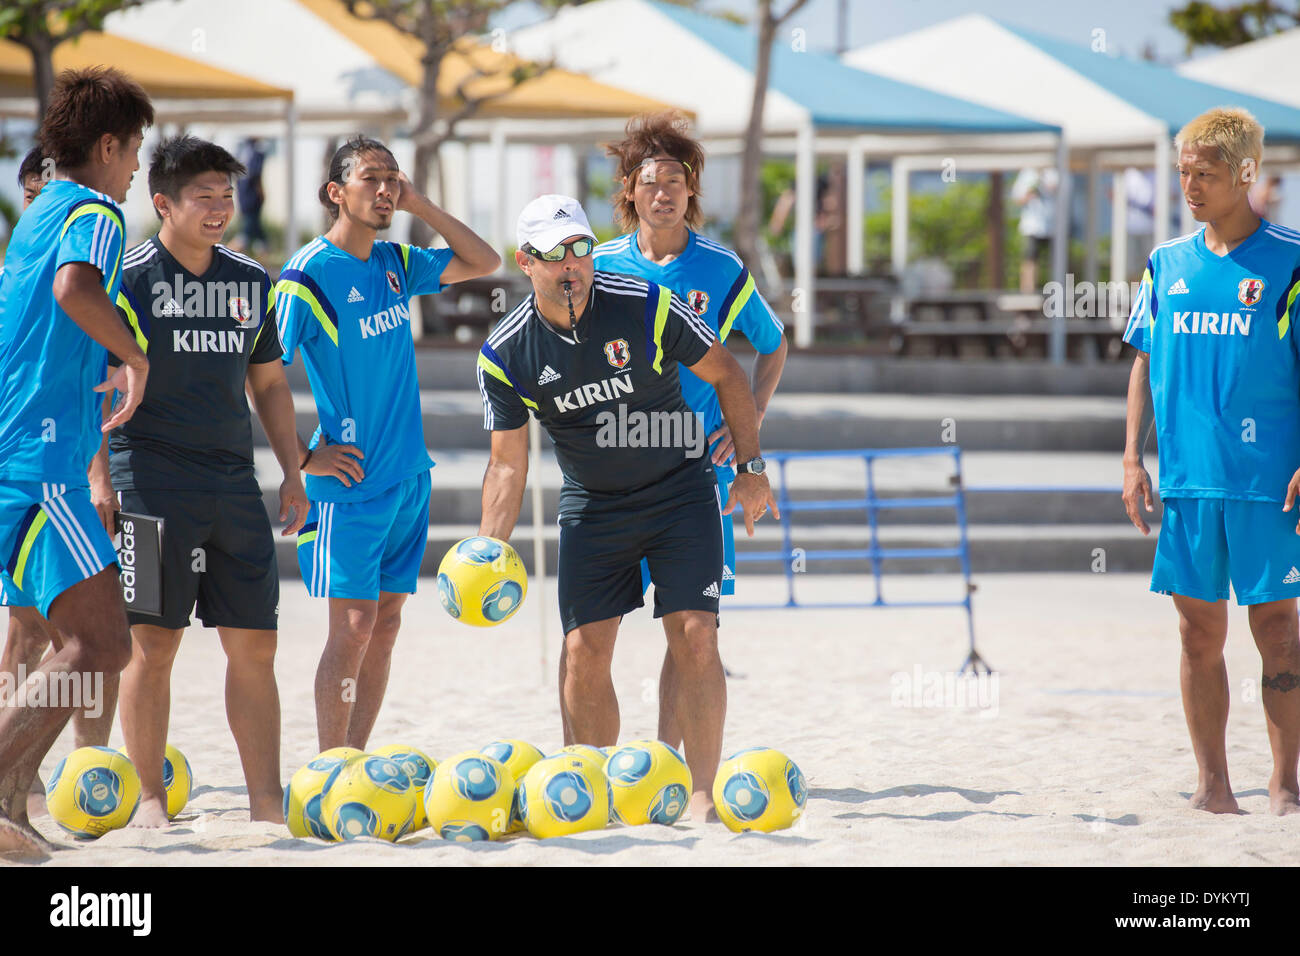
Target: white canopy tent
[349, 75]
[814, 105]
[1265, 66]
[1114, 112]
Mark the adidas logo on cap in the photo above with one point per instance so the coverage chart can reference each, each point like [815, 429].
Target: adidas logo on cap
[561, 214]
[355, 296]
[548, 376]
[1178, 288]
[712, 590]
[1292, 576]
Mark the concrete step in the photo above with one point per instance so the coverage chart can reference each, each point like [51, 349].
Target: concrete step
[1096, 549]
[454, 420]
[452, 367]
[1017, 488]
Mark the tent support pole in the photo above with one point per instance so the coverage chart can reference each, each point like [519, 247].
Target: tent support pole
[899, 180]
[1061, 245]
[1118, 226]
[1163, 161]
[856, 170]
[290, 172]
[805, 293]
[1090, 265]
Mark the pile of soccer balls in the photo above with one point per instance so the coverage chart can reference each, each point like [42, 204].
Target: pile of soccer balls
[95, 789]
[510, 786]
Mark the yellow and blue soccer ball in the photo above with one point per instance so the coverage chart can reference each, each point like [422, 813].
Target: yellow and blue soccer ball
[470, 798]
[419, 766]
[649, 782]
[178, 780]
[583, 750]
[93, 790]
[516, 756]
[759, 789]
[368, 796]
[563, 795]
[481, 581]
[303, 795]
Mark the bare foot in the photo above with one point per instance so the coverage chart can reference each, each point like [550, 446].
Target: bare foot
[701, 808]
[1283, 799]
[36, 804]
[22, 843]
[267, 808]
[1214, 801]
[151, 814]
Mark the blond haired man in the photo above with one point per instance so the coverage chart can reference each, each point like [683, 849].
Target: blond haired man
[1214, 325]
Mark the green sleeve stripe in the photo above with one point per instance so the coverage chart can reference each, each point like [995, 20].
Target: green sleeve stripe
[406, 258]
[737, 307]
[133, 320]
[300, 291]
[20, 566]
[661, 320]
[497, 372]
[98, 209]
[307, 538]
[1285, 324]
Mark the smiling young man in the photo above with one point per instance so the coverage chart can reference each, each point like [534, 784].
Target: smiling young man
[596, 358]
[658, 169]
[344, 300]
[1214, 325]
[62, 272]
[205, 317]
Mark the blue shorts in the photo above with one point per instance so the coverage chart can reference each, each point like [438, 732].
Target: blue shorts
[1205, 542]
[50, 539]
[10, 596]
[356, 549]
[728, 586]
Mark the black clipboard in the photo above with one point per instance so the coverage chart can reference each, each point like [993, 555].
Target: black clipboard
[138, 542]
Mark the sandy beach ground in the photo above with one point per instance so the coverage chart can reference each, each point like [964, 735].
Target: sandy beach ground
[1077, 754]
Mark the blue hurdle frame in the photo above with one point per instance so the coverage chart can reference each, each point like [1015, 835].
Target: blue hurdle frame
[874, 553]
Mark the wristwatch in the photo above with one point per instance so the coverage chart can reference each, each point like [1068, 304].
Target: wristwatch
[755, 466]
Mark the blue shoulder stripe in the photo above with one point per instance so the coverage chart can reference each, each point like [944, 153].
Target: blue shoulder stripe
[297, 275]
[491, 353]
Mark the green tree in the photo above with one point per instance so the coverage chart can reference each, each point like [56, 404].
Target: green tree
[1204, 24]
[41, 25]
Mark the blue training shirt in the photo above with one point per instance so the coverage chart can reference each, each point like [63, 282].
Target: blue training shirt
[713, 281]
[352, 321]
[50, 414]
[1225, 363]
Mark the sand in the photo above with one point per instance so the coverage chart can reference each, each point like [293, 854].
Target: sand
[1082, 757]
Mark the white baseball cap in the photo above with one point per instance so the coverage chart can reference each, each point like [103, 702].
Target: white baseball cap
[549, 220]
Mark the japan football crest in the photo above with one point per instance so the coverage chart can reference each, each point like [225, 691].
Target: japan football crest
[617, 353]
[1250, 291]
[241, 311]
[393, 283]
[698, 300]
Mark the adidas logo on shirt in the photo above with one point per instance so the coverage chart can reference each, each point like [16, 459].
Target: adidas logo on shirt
[1292, 576]
[548, 376]
[355, 296]
[712, 590]
[1178, 288]
[173, 308]
[727, 573]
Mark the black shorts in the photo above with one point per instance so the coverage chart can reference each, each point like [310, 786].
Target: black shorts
[601, 552]
[217, 549]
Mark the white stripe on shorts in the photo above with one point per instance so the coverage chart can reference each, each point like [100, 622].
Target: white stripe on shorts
[74, 546]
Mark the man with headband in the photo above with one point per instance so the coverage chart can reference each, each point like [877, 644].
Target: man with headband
[658, 200]
[595, 357]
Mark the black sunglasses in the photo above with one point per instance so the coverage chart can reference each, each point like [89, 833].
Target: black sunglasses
[581, 249]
